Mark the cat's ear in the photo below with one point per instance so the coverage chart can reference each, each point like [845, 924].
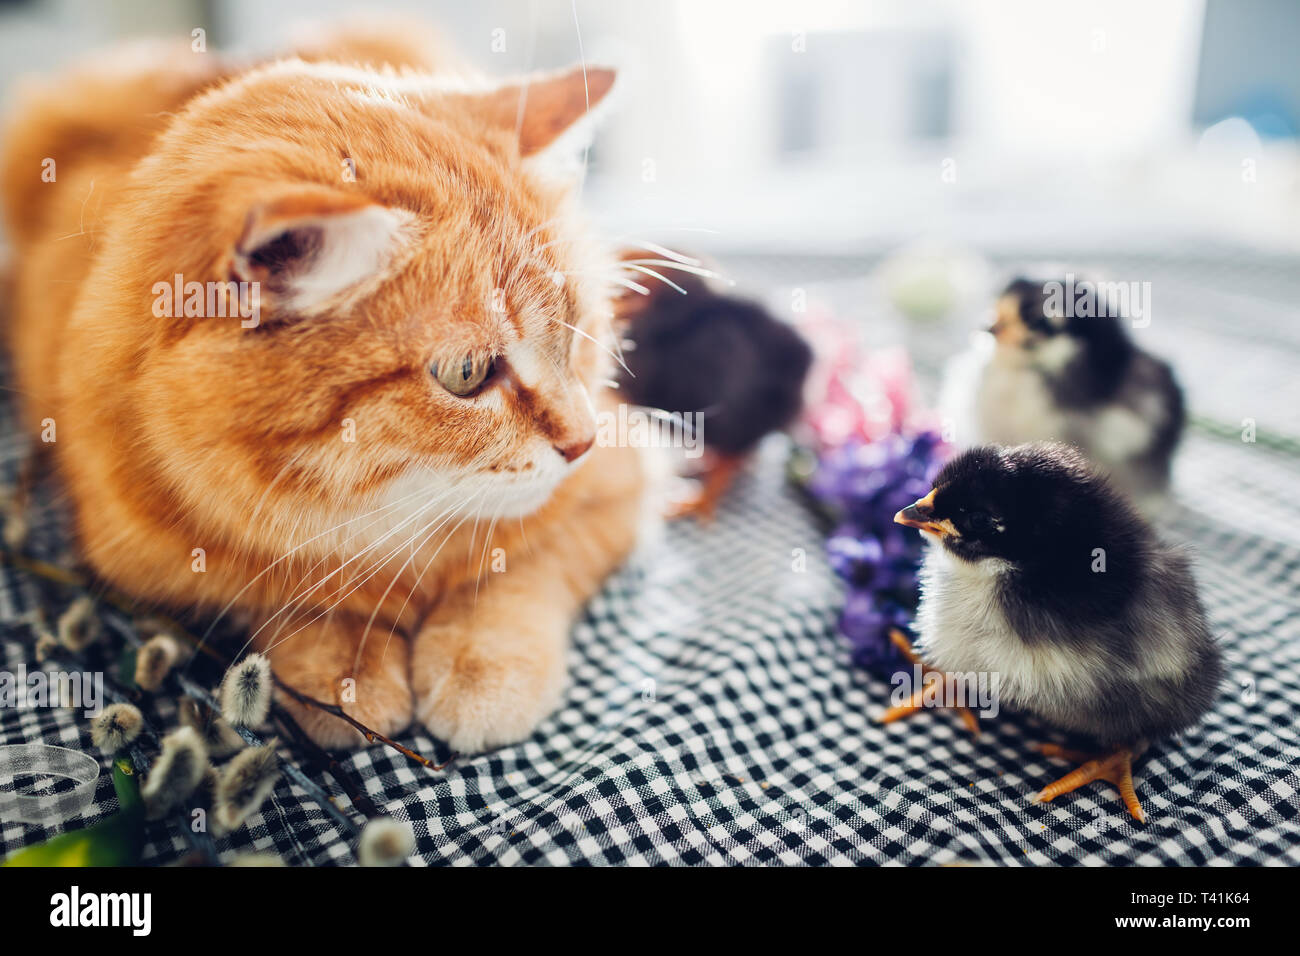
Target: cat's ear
[308, 245]
[544, 107]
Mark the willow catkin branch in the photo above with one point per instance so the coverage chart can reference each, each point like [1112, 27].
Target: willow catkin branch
[356, 795]
[71, 579]
[314, 790]
[324, 759]
[204, 696]
[371, 735]
[200, 842]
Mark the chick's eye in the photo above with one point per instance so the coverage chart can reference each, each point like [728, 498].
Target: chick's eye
[465, 377]
[979, 522]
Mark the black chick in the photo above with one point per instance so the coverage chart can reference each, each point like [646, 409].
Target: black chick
[720, 356]
[1041, 572]
[1068, 371]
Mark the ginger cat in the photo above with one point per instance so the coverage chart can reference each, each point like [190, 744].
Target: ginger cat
[379, 449]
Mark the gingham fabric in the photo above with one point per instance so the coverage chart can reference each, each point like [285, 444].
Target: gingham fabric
[713, 715]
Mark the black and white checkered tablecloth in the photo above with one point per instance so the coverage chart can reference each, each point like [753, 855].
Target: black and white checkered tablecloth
[714, 718]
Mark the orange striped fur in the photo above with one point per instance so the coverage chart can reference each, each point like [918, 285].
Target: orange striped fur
[397, 548]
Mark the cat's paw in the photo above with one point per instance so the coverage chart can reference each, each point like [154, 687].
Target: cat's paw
[379, 697]
[388, 717]
[478, 700]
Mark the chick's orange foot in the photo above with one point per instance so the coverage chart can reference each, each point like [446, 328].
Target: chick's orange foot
[712, 484]
[917, 702]
[1115, 768]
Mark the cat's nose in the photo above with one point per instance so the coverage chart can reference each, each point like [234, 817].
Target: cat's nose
[576, 449]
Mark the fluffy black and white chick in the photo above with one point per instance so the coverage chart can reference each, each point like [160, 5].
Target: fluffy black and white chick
[1055, 371]
[696, 350]
[1041, 572]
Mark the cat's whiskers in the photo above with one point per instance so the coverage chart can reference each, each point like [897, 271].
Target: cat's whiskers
[301, 599]
[375, 569]
[473, 535]
[675, 418]
[487, 542]
[616, 354]
[650, 272]
[678, 266]
[423, 534]
[628, 284]
[292, 551]
[560, 376]
[599, 345]
[288, 583]
[411, 593]
[81, 226]
[668, 259]
[296, 600]
[369, 570]
[423, 538]
[586, 92]
[636, 243]
[661, 250]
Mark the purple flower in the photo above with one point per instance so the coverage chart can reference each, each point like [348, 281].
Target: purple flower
[854, 558]
[866, 628]
[865, 485]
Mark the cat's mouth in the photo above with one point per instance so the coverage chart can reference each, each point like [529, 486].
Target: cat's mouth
[517, 502]
[518, 493]
[504, 490]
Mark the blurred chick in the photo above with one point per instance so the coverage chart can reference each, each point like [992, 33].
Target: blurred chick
[691, 349]
[1043, 376]
[1041, 572]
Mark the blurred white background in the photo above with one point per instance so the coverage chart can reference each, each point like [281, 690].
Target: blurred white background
[835, 126]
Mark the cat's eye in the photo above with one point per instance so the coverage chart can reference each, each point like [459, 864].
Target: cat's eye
[464, 377]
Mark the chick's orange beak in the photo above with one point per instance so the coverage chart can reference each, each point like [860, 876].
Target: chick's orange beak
[1008, 328]
[920, 514]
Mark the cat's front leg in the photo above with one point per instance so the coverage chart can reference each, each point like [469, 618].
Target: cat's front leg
[490, 665]
[487, 671]
[322, 661]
